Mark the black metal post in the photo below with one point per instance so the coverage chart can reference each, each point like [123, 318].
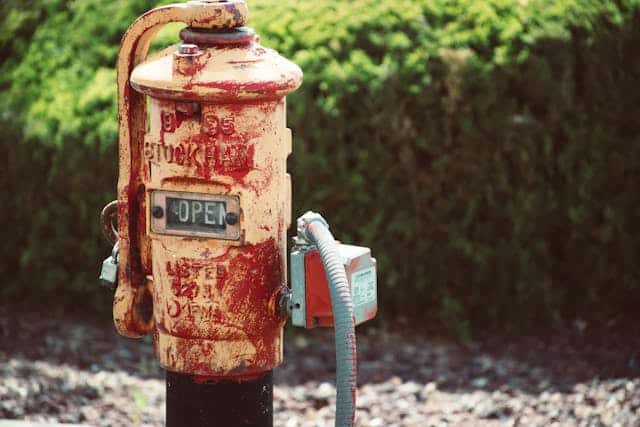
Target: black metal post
[219, 404]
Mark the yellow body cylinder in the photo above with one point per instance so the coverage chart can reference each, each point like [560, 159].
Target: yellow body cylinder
[207, 201]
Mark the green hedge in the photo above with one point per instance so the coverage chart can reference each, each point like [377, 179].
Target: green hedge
[487, 151]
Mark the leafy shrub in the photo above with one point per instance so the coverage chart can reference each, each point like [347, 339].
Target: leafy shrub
[486, 151]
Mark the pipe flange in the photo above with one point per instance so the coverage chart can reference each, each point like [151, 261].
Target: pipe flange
[207, 37]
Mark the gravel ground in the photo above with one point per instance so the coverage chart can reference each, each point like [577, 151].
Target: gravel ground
[68, 370]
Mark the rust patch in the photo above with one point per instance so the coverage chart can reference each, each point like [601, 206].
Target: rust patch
[270, 89]
[189, 182]
[214, 303]
[227, 297]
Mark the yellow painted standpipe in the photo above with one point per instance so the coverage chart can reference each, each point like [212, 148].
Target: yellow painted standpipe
[214, 135]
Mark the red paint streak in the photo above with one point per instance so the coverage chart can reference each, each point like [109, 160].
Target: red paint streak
[233, 154]
[248, 286]
[188, 290]
[230, 156]
[162, 132]
[268, 88]
[180, 118]
[318, 297]
[129, 210]
[190, 65]
[186, 93]
[133, 214]
[259, 275]
[174, 309]
[235, 160]
[221, 277]
[186, 181]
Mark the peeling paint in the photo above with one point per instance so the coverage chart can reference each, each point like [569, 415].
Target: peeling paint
[217, 126]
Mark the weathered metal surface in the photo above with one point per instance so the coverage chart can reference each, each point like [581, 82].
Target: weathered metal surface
[217, 126]
[224, 73]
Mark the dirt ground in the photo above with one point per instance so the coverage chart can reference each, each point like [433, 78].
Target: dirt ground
[77, 371]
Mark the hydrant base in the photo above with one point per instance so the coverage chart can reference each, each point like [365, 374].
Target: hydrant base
[225, 403]
[223, 359]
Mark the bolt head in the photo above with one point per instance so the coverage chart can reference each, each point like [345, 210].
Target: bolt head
[232, 218]
[157, 212]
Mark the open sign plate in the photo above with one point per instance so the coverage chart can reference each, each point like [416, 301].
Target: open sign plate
[195, 215]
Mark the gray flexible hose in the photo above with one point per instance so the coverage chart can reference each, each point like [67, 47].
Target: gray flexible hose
[344, 323]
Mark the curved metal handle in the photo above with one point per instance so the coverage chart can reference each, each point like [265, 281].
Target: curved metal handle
[132, 289]
[108, 220]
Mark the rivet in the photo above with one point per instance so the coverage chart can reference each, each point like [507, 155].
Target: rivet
[157, 212]
[232, 218]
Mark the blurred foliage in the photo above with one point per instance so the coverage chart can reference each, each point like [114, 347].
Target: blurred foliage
[486, 150]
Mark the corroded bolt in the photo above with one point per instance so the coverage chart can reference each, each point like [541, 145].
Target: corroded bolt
[219, 14]
[157, 212]
[232, 218]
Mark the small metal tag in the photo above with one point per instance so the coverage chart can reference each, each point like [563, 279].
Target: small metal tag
[210, 216]
[363, 287]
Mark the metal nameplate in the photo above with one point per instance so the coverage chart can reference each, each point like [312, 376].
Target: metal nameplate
[195, 215]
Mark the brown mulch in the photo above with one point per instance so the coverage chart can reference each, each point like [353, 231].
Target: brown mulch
[77, 371]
